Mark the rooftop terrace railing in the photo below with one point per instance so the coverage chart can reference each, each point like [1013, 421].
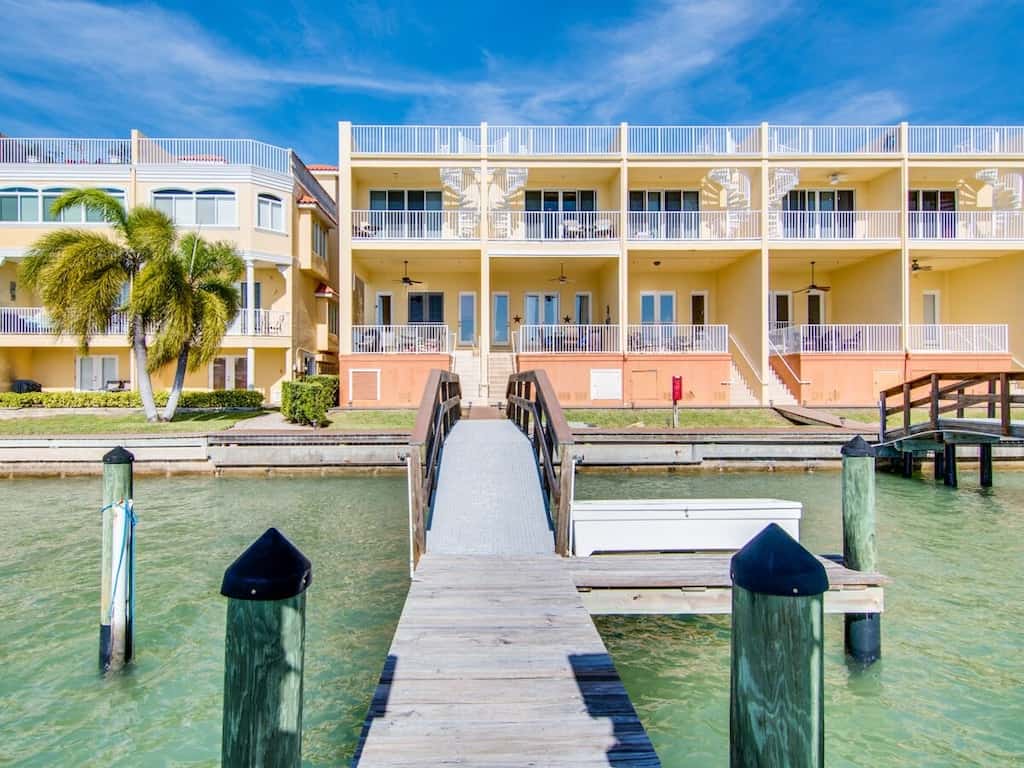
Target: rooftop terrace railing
[833, 139]
[553, 140]
[173, 151]
[66, 151]
[36, 320]
[415, 139]
[966, 140]
[694, 140]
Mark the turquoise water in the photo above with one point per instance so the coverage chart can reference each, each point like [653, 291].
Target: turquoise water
[949, 690]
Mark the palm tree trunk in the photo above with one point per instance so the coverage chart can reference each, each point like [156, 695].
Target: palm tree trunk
[178, 385]
[142, 373]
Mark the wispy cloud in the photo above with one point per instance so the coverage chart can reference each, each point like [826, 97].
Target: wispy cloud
[849, 102]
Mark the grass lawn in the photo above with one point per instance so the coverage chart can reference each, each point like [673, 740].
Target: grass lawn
[917, 415]
[72, 423]
[401, 420]
[688, 417]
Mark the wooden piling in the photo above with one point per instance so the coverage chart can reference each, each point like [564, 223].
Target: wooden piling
[985, 461]
[777, 709]
[908, 464]
[862, 635]
[264, 654]
[938, 464]
[117, 562]
[949, 465]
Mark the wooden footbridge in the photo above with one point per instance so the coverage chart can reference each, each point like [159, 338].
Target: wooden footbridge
[495, 661]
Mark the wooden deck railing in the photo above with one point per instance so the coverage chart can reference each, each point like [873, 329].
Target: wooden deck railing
[533, 407]
[439, 410]
[945, 393]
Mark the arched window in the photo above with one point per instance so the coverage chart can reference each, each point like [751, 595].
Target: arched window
[19, 204]
[205, 208]
[270, 213]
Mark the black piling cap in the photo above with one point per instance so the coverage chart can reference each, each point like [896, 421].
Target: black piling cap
[774, 563]
[858, 448]
[118, 456]
[270, 569]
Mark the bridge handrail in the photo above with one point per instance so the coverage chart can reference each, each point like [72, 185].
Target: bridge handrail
[948, 392]
[533, 406]
[440, 409]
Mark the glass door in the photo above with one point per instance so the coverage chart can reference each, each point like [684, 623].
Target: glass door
[550, 209]
[654, 214]
[97, 372]
[698, 308]
[384, 316]
[434, 205]
[467, 318]
[534, 216]
[815, 308]
[416, 207]
[499, 315]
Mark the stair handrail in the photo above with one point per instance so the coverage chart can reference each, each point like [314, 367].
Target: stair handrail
[746, 358]
[439, 411]
[782, 357]
[532, 405]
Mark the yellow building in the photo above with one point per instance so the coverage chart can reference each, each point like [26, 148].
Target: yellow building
[260, 197]
[619, 256]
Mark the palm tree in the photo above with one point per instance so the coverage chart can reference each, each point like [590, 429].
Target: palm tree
[79, 274]
[192, 297]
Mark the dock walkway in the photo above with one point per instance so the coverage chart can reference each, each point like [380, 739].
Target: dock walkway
[495, 661]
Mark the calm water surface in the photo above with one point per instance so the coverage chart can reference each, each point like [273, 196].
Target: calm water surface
[949, 691]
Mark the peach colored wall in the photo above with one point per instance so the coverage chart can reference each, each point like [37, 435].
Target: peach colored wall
[402, 378]
[570, 375]
[921, 364]
[853, 380]
[647, 379]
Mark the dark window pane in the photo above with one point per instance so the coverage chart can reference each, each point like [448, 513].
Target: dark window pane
[378, 200]
[533, 200]
[636, 200]
[587, 200]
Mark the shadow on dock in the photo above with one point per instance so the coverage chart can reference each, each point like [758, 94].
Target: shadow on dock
[606, 699]
[378, 705]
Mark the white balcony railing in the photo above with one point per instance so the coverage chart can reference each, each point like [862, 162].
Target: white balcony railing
[967, 225]
[834, 139]
[553, 225]
[694, 225]
[553, 140]
[36, 320]
[694, 140]
[568, 339]
[415, 225]
[266, 322]
[415, 139]
[66, 151]
[834, 225]
[413, 339]
[992, 338]
[966, 140]
[214, 152]
[673, 338]
[833, 338]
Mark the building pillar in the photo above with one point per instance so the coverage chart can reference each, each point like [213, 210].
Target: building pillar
[762, 354]
[250, 297]
[623, 262]
[484, 306]
[345, 281]
[904, 235]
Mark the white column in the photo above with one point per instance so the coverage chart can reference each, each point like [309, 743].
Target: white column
[623, 263]
[250, 322]
[904, 235]
[250, 368]
[762, 354]
[485, 267]
[345, 282]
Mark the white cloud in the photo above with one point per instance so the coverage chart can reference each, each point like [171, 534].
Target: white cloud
[845, 103]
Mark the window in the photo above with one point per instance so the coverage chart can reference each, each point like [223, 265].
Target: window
[670, 213]
[541, 308]
[319, 240]
[467, 318]
[778, 308]
[426, 307]
[229, 372]
[581, 309]
[269, 213]
[818, 213]
[97, 372]
[932, 212]
[205, 208]
[27, 204]
[815, 308]
[332, 318]
[699, 308]
[420, 212]
[384, 316]
[658, 307]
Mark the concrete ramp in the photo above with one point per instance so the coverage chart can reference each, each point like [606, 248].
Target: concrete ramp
[488, 499]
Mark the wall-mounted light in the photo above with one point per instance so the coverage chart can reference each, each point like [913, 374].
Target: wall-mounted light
[14, 291]
[657, 263]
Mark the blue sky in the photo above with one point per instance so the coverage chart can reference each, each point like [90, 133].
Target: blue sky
[286, 72]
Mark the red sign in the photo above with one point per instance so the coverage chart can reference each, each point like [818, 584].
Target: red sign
[677, 389]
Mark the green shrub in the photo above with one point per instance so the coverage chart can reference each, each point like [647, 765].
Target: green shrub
[224, 398]
[332, 384]
[306, 402]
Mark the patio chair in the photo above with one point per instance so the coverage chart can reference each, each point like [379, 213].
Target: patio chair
[603, 228]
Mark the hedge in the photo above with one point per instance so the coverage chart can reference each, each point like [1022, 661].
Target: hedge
[306, 401]
[221, 398]
[329, 381]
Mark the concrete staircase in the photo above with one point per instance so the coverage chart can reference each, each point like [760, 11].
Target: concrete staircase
[739, 390]
[500, 365]
[778, 392]
[466, 363]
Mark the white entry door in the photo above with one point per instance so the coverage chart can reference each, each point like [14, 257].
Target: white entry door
[96, 372]
[467, 318]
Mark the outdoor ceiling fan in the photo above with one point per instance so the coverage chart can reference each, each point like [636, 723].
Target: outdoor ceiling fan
[836, 178]
[916, 266]
[562, 278]
[406, 280]
[814, 286]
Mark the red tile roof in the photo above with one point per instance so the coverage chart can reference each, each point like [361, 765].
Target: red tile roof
[325, 291]
[321, 167]
[305, 199]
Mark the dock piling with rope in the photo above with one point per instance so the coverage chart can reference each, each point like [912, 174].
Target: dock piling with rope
[117, 582]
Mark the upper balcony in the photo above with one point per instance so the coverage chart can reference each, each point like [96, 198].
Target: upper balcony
[543, 226]
[834, 226]
[965, 140]
[432, 226]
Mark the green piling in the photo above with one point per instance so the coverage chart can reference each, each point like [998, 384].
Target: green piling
[863, 631]
[117, 562]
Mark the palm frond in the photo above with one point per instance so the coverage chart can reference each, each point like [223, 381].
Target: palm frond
[213, 318]
[149, 232]
[45, 251]
[109, 208]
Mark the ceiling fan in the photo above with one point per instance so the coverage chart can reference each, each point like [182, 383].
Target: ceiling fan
[406, 280]
[562, 278]
[916, 266]
[814, 286]
[836, 178]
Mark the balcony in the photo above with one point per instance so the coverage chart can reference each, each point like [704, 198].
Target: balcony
[414, 339]
[36, 320]
[834, 225]
[533, 140]
[835, 338]
[565, 339]
[214, 152]
[266, 322]
[959, 339]
[966, 140]
[654, 140]
[415, 225]
[66, 151]
[966, 225]
[415, 139]
[657, 339]
[695, 225]
[553, 225]
[833, 139]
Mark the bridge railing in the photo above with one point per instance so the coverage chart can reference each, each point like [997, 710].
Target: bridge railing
[943, 393]
[440, 409]
[532, 405]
